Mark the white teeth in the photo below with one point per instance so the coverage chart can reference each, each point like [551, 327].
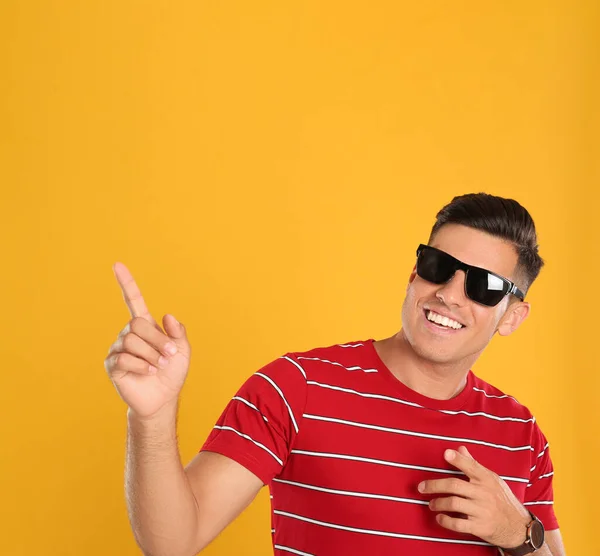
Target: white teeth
[444, 321]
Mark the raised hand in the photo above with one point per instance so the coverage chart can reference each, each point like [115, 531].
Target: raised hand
[491, 510]
[147, 366]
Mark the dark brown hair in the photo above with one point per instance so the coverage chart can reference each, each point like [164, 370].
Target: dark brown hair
[500, 217]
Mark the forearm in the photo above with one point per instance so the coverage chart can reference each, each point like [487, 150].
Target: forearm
[162, 508]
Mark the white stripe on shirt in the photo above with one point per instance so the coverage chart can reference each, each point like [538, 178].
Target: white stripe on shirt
[270, 381]
[354, 368]
[488, 415]
[379, 533]
[394, 464]
[418, 434]
[492, 396]
[546, 476]
[292, 550]
[240, 399]
[251, 440]
[355, 494]
[413, 404]
[543, 451]
[296, 364]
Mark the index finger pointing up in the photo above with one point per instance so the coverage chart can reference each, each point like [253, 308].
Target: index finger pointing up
[465, 462]
[131, 292]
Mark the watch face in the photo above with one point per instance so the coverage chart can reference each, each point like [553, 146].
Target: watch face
[537, 534]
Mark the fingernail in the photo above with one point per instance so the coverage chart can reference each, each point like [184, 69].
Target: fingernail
[162, 362]
[449, 454]
[421, 487]
[171, 348]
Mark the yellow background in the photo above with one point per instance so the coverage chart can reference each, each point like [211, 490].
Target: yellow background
[266, 170]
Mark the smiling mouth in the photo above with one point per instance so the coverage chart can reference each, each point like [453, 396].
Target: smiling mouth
[440, 322]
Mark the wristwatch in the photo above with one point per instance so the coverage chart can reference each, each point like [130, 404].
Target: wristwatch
[533, 540]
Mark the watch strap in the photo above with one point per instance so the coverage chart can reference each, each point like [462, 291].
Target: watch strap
[522, 550]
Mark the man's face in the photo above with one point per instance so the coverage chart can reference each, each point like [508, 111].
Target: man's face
[480, 322]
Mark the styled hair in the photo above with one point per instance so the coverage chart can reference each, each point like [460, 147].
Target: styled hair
[502, 218]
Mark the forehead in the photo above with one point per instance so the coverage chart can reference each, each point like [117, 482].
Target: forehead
[477, 248]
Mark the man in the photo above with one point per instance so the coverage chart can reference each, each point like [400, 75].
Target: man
[368, 447]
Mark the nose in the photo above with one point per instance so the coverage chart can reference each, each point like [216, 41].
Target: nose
[453, 292]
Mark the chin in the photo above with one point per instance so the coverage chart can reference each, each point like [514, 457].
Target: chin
[426, 350]
[434, 356]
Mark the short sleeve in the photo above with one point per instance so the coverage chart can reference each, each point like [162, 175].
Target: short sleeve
[260, 423]
[539, 496]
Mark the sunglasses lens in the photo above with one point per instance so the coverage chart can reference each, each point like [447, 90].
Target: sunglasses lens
[434, 266]
[481, 286]
[485, 288]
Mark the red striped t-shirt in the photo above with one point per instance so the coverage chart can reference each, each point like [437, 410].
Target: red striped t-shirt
[343, 444]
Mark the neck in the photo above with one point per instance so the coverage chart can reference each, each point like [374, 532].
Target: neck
[439, 381]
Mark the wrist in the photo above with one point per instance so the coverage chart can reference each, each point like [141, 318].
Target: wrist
[166, 415]
[534, 539]
[519, 534]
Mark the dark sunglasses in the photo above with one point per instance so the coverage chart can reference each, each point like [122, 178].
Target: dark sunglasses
[482, 286]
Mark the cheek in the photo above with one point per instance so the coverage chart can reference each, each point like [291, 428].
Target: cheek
[418, 293]
[408, 312]
[411, 300]
[486, 321]
[420, 290]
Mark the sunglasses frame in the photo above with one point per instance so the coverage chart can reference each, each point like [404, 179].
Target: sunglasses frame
[459, 265]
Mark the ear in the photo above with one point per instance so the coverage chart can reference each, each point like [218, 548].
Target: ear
[512, 319]
[412, 276]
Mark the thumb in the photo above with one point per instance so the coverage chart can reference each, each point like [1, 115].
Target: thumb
[173, 327]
